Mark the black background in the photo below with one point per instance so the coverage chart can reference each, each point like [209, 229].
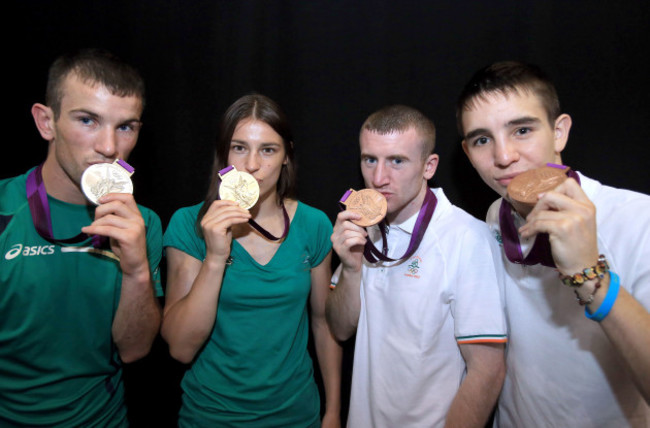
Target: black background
[330, 64]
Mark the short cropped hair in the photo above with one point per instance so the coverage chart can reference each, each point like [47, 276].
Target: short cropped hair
[504, 78]
[400, 118]
[93, 66]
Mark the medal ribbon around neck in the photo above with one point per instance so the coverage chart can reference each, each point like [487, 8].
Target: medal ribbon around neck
[540, 253]
[39, 208]
[266, 233]
[253, 223]
[373, 255]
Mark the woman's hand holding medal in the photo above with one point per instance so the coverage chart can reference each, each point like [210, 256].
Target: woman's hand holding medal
[238, 192]
[217, 228]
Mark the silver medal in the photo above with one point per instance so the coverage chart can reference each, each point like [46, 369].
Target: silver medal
[102, 178]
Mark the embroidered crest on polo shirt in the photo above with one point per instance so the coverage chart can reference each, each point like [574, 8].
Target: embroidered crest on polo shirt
[413, 267]
[497, 236]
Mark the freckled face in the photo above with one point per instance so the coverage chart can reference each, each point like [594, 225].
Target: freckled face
[507, 134]
[393, 165]
[257, 149]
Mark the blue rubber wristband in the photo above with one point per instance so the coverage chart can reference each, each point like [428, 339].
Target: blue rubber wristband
[610, 298]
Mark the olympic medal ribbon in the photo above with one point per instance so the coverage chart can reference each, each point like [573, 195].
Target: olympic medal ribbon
[373, 255]
[540, 253]
[39, 208]
[243, 189]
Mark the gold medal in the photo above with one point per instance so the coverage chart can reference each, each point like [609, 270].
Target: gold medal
[370, 204]
[238, 186]
[103, 178]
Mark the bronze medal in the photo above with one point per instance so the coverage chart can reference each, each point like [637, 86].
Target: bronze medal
[524, 188]
[370, 204]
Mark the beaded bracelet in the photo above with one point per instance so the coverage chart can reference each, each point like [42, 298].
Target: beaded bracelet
[591, 296]
[599, 270]
[610, 298]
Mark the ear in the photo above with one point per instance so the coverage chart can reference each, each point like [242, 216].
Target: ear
[430, 166]
[286, 157]
[465, 147]
[44, 119]
[561, 129]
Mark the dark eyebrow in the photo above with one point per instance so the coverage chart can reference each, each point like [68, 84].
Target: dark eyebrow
[526, 120]
[134, 120]
[265, 144]
[473, 133]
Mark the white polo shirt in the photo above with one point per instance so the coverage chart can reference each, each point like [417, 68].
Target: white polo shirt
[407, 363]
[562, 370]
